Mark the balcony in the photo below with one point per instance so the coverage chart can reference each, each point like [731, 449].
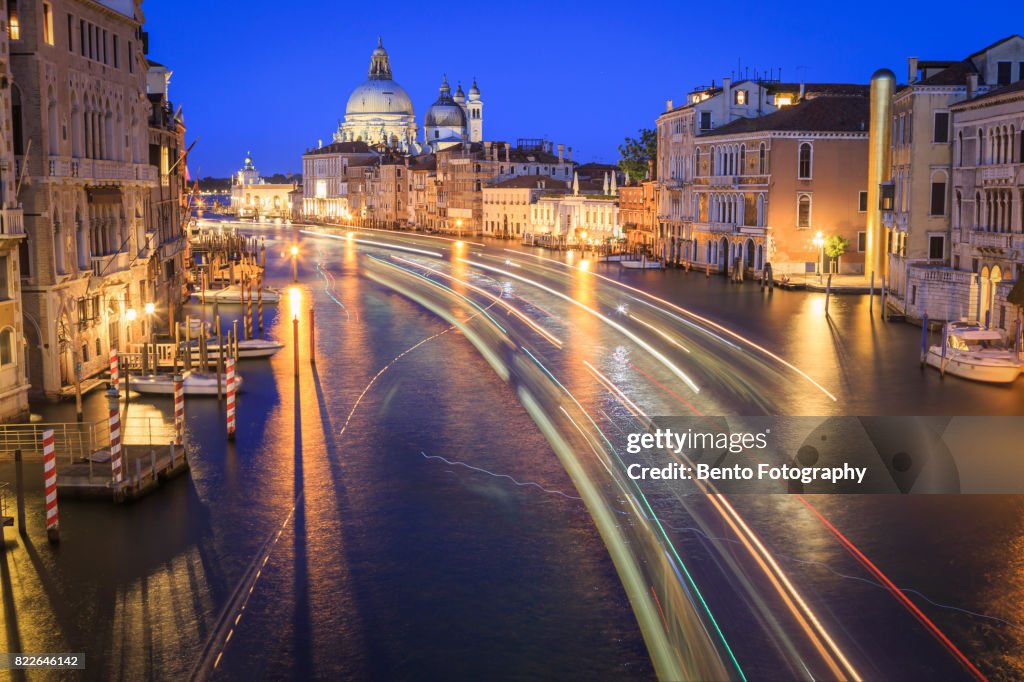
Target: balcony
[12, 222]
[58, 167]
[998, 175]
[983, 239]
[103, 266]
[722, 180]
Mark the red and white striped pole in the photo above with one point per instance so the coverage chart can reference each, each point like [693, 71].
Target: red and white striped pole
[230, 372]
[248, 304]
[115, 375]
[259, 303]
[179, 410]
[115, 438]
[50, 486]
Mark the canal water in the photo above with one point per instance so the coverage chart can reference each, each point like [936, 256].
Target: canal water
[417, 525]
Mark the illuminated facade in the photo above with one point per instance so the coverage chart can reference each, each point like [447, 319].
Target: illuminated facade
[252, 196]
[13, 370]
[918, 200]
[763, 188]
[90, 176]
[333, 180]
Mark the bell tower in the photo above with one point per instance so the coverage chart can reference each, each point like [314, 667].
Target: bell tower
[475, 111]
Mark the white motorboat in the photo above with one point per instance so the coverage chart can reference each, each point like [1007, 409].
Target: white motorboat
[247, 349]
[196, 383]
[644, 263]
[233, 294]
[976, 353]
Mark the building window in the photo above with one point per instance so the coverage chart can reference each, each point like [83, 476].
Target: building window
[47, 23]
[936, 246]
[803, 211]
[116, 50]
[705, 120]
[13, 24]
[5, 282]
[762, 158]
[938, 206]
[740, 97]
[804, 167]
[71, 33]
[862, 202]
[1003, 73]
[941, 132]
[6, 347]
[131, 58]
[862, 242]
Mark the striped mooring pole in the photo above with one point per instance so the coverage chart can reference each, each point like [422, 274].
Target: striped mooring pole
[50, 486]
[115, 438]
[230, 371]
[115, 376]
[248, 304]
[179, 409]
[259, 303]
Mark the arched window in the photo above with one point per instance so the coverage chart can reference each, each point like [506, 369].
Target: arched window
[803, 211]
[743, 160]
[960, 148]
[804, 166]
[7, 346]
[762, 159]
[711, 160]
[959, 209]
[977, 209]
[696, 162]
[981, 146]
[17, 133]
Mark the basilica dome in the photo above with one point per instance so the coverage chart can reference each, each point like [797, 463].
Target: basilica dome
[378, 96]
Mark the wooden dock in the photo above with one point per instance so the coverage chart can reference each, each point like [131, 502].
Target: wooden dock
[145, 468]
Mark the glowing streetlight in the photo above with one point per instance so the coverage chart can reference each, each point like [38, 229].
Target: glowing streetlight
[458, 225]
[819, 242]
[150, 308]
[130, 314]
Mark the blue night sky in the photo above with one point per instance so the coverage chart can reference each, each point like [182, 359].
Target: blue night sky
[274, 76]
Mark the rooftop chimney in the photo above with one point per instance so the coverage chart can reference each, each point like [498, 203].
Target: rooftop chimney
[972, 85]
[568, 154]
[912, 70]
[803, 89]
[726, 87]
[561, 152]
[508, 149]
[668, 105]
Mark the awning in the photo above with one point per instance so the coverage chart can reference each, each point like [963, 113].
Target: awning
[104, 195]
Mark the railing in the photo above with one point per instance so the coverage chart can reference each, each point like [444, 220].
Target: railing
[721, 180]
[996, 240]
[946, 275]
[59, 167]
[12, 221]
[108, 265]
[74, 440]
[1001, 174]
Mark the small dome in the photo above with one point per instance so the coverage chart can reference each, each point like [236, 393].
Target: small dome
[474, 91]
[460, 96]
[446, 115]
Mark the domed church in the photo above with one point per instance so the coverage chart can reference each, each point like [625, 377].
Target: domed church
[379, 111]
[454, 119]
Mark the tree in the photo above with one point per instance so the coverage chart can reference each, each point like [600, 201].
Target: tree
[836, 246]
[636, 152]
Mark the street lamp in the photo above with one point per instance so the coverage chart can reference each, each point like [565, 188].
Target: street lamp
[819, 242]
[130, 314]
[458, 226]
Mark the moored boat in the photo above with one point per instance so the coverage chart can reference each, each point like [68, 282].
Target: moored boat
[247, 349]
[195, 383]
[644, 263]
[975, 353]
[233, 294]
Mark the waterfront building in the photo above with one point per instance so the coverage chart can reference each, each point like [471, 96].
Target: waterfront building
[168, 204]
[253, 196]
[917, 200]
[421, 203]
[331, 180]
[507, 204]
[764, 187]
[14, 384]
[587, 214]
[987, 220]
[638, 215]
[706, 109]
[80, 140]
